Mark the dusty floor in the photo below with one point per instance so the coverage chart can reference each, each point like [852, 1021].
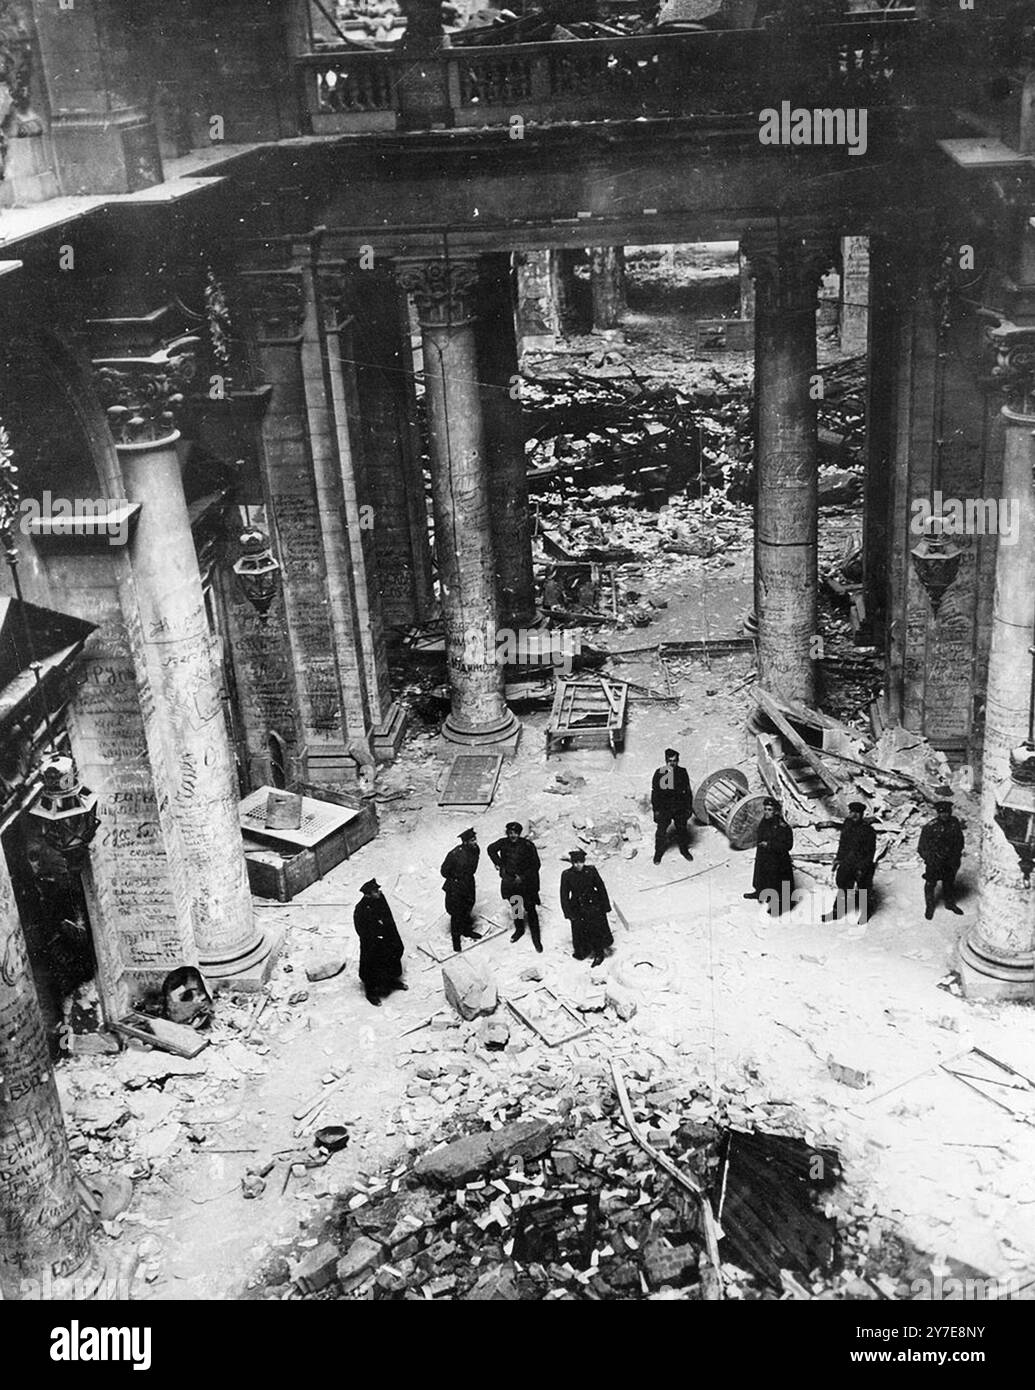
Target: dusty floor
[743, 999]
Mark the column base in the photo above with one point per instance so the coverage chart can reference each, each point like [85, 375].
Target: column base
[387, 738]
[986, 974]
[502, 736]
[248, 970]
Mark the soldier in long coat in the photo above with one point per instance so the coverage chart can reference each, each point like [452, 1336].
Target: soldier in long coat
[517, 860]
[458, 870]
[585, 903]
[380, 945]
[774, 872]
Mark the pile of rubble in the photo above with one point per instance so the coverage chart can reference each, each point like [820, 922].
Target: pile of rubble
[606, 420]
[540, 1192]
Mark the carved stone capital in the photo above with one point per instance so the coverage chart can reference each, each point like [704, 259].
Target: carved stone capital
[1014, 371]
[443, 291]
[274, 300]
[787, 265]
[332, 293]
[141, 395]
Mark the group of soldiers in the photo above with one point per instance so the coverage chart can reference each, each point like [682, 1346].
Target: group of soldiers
[584, 899]
[940, 847]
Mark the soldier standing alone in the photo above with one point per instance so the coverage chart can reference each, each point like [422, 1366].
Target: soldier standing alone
[380, 946]
[671, 798]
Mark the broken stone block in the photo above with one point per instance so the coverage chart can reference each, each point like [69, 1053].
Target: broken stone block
[470, 989]
[496, 1286]
[358, 1262]
[623, 1001]
[318, 1269]
[494, 1034]
[848, 1076]
[466, 1158]
[325, 970]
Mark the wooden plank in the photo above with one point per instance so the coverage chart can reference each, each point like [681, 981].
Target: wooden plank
[160, 1033]
[773, 711]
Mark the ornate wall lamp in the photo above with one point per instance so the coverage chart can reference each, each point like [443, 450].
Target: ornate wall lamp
[257, 570]
[936, 561]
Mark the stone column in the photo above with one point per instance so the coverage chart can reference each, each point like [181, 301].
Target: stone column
[391, 446]
[332, 709]
[607, 283]
[855, 293]
[997, 957]
[787, 267]
[44, 1227]
[880, 432]
[444, 294]
[348, 463]
[505, 446]
[140, 395]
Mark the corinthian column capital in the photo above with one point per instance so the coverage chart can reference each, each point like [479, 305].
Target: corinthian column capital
[1014, 371]
[141, 395]
[787, 263]
[444, 291]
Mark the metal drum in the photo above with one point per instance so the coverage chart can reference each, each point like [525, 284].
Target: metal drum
[723, 800]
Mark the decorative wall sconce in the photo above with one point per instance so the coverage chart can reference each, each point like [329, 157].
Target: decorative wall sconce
[936, 561]
[65, 813]
[258, 570]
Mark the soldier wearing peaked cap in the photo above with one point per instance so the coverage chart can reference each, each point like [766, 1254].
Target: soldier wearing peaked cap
[380, 946]
[517, 860]
[585, 903]
[458, 870]
[941, 849]
[853, 867]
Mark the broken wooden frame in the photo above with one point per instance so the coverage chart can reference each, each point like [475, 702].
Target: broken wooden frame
[560, 1007]
[588, 714]
[448, 952]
